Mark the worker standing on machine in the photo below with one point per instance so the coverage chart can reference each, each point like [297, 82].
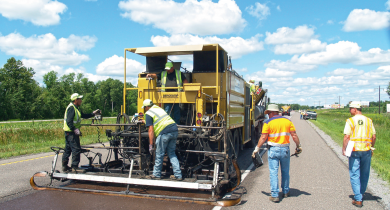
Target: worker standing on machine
[171, 77]
[164, 129]
[253, 86]
[359, 133]
[277, 130]
[72, 124]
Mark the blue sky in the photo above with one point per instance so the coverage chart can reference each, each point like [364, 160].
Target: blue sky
[306, 52]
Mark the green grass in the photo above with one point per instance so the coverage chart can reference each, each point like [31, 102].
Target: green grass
[332, 122]
[28, 138]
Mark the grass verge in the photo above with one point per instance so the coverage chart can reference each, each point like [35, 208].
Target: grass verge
[332, 122]
[29, 138]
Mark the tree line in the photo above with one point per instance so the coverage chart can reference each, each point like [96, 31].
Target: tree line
[21, 96]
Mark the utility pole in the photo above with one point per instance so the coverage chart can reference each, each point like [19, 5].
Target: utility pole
[379, 90]
[339, 101]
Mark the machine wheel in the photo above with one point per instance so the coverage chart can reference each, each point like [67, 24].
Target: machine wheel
[236, 141]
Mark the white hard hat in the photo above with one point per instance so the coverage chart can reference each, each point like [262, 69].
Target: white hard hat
[147, 102]
[75, 96]
[355, 104]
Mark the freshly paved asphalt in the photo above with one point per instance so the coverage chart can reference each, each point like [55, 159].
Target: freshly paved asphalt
[318, 179]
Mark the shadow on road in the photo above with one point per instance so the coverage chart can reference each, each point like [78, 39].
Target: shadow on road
[293, 193]
[369, 196]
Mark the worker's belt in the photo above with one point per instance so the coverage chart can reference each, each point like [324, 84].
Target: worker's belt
[272, 144]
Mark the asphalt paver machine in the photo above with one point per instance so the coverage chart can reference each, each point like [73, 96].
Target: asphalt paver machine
[219, 116]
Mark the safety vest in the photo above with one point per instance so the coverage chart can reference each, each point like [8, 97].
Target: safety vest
[76, 118]
[362, 132]
[178, 80]
[160, 119]
[278, 129]
[253, 89]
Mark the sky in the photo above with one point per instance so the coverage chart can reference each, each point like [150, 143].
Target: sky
[306, 52]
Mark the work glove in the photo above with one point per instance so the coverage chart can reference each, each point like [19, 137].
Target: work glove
[97, 111]
[372, 151]
[151, 149]
[77, 132]
[298, 150]
[257, 149]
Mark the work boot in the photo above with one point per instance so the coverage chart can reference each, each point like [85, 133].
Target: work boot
[286, 195]
[78, 170]
[357, 203]
[65, 167]
[274, 199]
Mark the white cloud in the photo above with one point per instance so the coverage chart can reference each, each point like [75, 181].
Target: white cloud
[48, 48]
[365, 19]
[113, 66]
[330, 22]
[286, 35]
[278, 8]
[387, 5]
[235, 46]
[346, 52]
[291, 65]
[260, 11]
[276, 73]
[42, 68]
[39, 12]
[202, 17]
[346, 72]
[313, 45]
[382, 73]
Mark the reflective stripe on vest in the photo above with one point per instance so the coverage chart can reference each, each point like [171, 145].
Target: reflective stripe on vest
[160, 119]
[362, 140]
[179, 82]
[76, 118]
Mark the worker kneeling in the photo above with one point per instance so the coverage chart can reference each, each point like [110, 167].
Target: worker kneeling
[162, 126]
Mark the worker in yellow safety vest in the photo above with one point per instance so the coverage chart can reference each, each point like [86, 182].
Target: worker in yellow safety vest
[253, 86]
[164, 129]
[278, 129]
[72, 124]
[171, 77]
[359, 132]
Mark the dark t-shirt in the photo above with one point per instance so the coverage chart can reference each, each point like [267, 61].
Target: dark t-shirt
[170, 128]
[171, 80]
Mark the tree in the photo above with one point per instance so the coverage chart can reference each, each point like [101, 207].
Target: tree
[388, 90]
[19, 90]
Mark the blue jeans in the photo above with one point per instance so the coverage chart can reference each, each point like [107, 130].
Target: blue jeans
[276, 155]
[175, 113]
[166, 143]
[359, 172]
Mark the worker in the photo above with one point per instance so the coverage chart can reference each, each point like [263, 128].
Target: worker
[171, 77]
[164, 129]
[253, 86]
[360, 130]
[277, 129]
[72, 124]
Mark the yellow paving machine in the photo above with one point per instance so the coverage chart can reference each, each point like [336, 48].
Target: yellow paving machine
[219, 117]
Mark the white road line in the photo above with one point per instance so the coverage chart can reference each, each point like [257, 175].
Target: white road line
[246, 172]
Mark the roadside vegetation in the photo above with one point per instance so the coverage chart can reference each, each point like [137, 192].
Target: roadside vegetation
[332, 122]
[36, 137]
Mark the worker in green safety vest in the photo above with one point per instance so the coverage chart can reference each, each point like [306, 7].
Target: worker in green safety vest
[171, 77]
[253, 86]
[164, 129]
[72, 124]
